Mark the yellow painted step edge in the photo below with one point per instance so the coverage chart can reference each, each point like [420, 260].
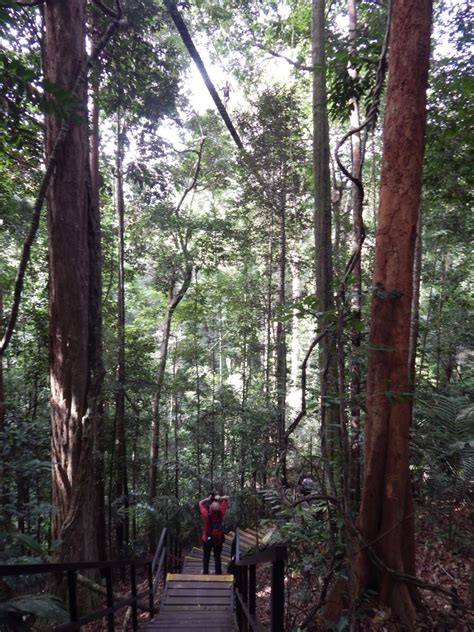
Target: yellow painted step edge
[198, 578]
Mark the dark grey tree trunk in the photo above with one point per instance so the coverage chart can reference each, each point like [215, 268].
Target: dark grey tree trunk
[357, 231]
[4, 494]
[121, 473]
[99, 436]
[323, 239]
[281, 351]
[174, 298]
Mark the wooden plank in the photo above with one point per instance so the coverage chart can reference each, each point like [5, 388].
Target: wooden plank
[198, 618]
[196, 557]
[222, 598]
[191, 607]
[204, 587]
[177, 584]
[201, 578]
[226, 625]
[196, 592]
[198, 601]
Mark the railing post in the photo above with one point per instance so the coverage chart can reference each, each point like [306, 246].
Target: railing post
[72, 595]
[238, 607]
[245, 594]
[109, 598]
[150, 591]
[133, 581]
[252, 589]
[278, 596]
[166, 561]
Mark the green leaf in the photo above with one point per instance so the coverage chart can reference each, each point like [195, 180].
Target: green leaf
[45, 606]
[26, 540]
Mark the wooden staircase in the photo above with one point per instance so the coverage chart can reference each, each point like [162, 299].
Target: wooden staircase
[193, 601]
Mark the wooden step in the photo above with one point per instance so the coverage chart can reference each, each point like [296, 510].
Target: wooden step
[182, 577]
[196, 602]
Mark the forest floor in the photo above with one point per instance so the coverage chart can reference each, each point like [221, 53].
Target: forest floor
[445, 554]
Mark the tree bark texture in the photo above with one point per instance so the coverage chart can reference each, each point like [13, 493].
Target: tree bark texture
[357, 231]
[322, 234]
[386, 515]
[74, 303]
[4, 518]
[281, 364]
[121, 474]
[94, 143]
[174, 299]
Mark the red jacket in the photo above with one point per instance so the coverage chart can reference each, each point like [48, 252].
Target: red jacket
[204, 511]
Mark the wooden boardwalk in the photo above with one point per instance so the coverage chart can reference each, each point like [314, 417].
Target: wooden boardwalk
[192, 601]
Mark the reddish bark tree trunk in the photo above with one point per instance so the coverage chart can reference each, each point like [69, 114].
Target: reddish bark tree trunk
[75, 369]
[386, 515]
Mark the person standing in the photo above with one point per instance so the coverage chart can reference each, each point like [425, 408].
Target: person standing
[212, 510]
[307, 485]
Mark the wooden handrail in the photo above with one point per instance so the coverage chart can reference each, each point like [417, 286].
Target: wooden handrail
[245, 586]
[159, 548]
[272, 554]
[35, 569]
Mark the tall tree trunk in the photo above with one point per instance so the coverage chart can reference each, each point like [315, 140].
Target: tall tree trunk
[357, 231]
[281, 366]
[198, 387]
[386, 514]
[74, 286]
[415, 310]
[269, 311]
[295, 324]
[4, 495]
[173, 301]
[121, 474]
[322, 235]
[99, 513]
[176, 425]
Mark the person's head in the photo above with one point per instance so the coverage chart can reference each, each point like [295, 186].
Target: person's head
[214, 507]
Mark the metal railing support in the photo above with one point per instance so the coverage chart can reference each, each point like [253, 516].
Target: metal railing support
[152, 571]
[252, 589]
[150, 591]
[109, 599]
[72, 595]
[246, 587]
[278, 596]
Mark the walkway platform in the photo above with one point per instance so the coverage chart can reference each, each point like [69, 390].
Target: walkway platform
[201, 603]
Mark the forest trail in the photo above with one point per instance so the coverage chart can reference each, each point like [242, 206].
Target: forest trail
[192, 601]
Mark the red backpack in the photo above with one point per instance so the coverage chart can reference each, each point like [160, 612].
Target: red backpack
[216, 528]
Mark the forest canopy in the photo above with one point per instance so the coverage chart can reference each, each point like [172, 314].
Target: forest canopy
[236, 253]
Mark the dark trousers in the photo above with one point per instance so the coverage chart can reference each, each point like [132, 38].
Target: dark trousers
[207, 548]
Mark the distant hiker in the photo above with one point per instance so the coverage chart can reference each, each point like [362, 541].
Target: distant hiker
[307, 485]
[226, 93]
[212, 510]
